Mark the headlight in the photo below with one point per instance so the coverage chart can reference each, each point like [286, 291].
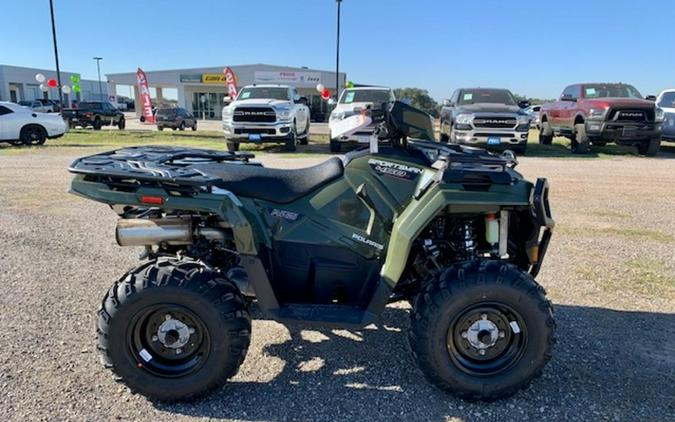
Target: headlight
[227, 111]
[464, 119]
[660, 115]
[337, 115]
[284, 113]
[597, 114]
[523, 120]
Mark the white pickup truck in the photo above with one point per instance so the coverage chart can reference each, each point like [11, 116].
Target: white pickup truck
[266, 113]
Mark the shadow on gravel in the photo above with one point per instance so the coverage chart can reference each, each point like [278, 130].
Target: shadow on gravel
[607, 365]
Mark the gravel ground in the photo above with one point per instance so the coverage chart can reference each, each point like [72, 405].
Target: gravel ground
[610, 272]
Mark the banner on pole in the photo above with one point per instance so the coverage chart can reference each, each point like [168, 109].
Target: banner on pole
[231, 82]
[146, 101]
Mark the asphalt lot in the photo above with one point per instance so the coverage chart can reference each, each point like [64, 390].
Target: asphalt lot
[610, 272]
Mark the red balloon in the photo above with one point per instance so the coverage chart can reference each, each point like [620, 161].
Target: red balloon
[52, 83]
[325, 94]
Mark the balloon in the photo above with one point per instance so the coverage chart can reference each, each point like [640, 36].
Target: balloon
[74, 78]
[65, 89]
[76, 88]
[350, 84]
[40, 77]
[44, 88]
[320, 87]
[52, 83]
[325, 94]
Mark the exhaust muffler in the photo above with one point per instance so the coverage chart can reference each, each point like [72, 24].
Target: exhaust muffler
[151, 232]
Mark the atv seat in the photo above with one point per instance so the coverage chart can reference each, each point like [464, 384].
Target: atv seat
[273, 185]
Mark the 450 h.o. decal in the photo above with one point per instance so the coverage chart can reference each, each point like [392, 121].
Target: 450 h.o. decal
[389, 168]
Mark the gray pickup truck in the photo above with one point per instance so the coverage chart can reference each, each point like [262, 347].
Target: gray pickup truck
[485, 117]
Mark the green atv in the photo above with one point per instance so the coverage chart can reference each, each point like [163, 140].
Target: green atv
[455, 231]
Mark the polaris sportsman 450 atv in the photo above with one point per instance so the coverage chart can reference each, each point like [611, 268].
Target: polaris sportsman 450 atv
[455, 231]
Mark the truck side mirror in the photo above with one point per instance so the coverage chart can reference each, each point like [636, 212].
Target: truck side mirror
[524, 104]
[651, 98]
[302, 100]
[227, 100]
[447, 103]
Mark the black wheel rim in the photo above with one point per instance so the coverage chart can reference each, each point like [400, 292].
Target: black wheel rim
[33, 135]
[169, 354]
[501, 353]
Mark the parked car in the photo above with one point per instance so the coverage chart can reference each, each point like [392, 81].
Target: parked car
[666, 102]
[266, 113]
[533, 111]
[42, 106]
[95, 114]
[175, 118]
[597, 113]
[21, 125]
[486, 117]
[351, 102]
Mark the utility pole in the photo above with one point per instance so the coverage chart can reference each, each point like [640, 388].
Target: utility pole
[337, 54]
[98, 67]
[56, 54]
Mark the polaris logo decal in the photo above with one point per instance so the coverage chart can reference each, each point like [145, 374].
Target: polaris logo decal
[367, 241]
[284, 214]
[389, 168]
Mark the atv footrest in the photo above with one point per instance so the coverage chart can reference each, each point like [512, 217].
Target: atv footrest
[337, 315]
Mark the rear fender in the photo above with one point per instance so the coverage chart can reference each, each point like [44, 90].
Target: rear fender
[220, 202]
[420, 212]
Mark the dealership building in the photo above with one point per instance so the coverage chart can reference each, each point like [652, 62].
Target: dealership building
[19, 84]
[201, 90]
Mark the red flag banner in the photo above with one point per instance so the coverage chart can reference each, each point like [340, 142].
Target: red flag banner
[146, 102]
[231, 82]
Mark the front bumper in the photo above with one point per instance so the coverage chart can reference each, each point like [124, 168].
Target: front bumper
[623, 132]
[257, 132]
[486, 137]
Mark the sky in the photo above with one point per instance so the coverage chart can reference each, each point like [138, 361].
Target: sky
[533, 48]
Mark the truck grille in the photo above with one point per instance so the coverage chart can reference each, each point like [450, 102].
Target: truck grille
[255, 131]
[631, 115]
[494, 122]
[254, 115]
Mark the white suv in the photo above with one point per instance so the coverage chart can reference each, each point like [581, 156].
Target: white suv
[266, 113]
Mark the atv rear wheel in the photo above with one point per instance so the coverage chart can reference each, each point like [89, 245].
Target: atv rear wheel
[173, 330]
[482, 330]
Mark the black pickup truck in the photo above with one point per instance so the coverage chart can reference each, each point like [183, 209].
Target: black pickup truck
[95, 114]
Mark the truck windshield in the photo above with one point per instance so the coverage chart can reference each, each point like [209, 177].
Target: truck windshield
[668, 99]
[493, 96]
[375, 96]
[610, 91]
[266, 93]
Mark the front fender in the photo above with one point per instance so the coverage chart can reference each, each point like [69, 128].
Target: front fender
[420, 212]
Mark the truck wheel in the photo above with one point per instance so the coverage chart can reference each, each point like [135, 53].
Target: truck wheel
[305, 135]
[160, 127]
[482, 330]
[173, 329]
[121, 124]
[649, 148]
[335, 146]
[444, 138]
[291, 142]
[182, 126]
[545, 134]
[233, 146]
[194, 126]
[33, 135]
[580, 144]
[97, 124]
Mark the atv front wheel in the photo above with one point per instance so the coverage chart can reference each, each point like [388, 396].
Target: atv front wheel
[482, 331]
[173, 330]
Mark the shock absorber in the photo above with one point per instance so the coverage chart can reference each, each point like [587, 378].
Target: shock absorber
[469, 239]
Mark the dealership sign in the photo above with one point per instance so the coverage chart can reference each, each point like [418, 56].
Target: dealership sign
[146, 102]
[194, 78]
[213, 78]
[308, 79]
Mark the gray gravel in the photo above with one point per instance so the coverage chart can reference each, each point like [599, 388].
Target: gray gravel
[610, 273]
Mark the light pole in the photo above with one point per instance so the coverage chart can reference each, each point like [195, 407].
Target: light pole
[98, 67]
[337, 54]
[56, 53]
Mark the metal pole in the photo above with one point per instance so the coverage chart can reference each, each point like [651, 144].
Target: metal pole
[56, 54]
[98, 67]
[337, 54]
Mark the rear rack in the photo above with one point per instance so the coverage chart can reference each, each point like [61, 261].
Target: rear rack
[157, 164]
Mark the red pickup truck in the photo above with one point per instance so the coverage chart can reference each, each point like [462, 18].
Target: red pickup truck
[597, 113]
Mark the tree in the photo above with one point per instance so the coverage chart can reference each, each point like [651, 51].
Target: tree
[419, 98]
